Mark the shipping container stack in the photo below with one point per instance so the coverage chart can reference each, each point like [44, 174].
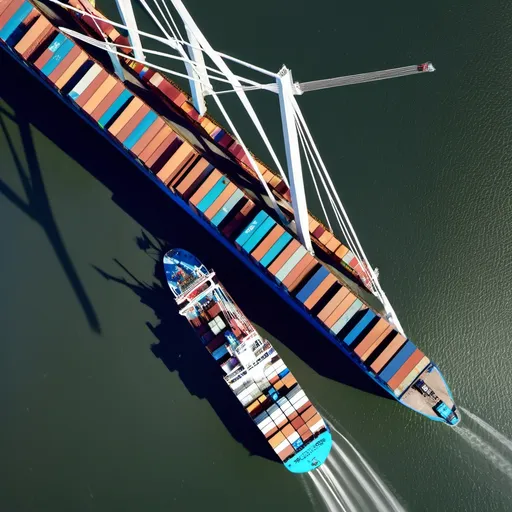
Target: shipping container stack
[131, 124]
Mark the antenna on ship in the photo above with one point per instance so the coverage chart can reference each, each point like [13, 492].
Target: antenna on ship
[300, 147]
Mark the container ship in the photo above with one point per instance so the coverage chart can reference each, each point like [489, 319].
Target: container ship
[206, 171]
[251, 366]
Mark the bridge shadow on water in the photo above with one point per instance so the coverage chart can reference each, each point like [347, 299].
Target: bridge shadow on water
[168, 226]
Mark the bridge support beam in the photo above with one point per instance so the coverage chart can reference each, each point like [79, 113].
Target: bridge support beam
[293, 160]
[126, 10]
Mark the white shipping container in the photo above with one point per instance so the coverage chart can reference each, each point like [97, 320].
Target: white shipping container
[281, 446]
[261, 417]
[280, 419]
[294, 399]
[293, 392]
[288, 410]
[283, 401]
[279, 367]
[214, 327]
[269, 427]
[265, 423]
[85, 81]
[293, 437]
[317, 426]
[220, 322]
[299, 403]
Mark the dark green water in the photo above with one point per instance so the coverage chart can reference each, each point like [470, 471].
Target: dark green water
[108, 403]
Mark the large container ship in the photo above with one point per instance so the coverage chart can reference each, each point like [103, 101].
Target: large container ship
[252, 368]
[206, 171]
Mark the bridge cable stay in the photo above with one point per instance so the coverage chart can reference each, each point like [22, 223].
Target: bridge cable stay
[298, 139]
[219, 62]
[332, 202]
[102, 45]
[206, 47]
[353, 236]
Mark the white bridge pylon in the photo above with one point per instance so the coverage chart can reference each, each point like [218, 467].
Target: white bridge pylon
[206, 69]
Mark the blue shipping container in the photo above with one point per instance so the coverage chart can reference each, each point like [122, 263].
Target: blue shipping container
[259, 233]
[14, 22]
[276, 248]
[220, 352]
[249, 230]
[230, 203]
[213, 194]
[398, 360]
[115, 107]
[140, 130]
[57, 57]
[359, 327]
[312, 284]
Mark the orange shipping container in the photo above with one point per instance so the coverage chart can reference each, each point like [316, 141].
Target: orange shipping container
[377, 342]
[308, 414]
[64, 63]
[39, 31]
[267, 242]
[107, 101]
[287, 452]
[162, 154]
[132, 123]
[174, 165]
[205, 187]
[146, 153]
[72, 69]
[333, 244]
[196, 174]
[303, 275]
[220, 201]
[371, 337]
[315, 419]
[320, 291]
[298, 269]
[406, 368]
[276, 440]
[341, 252]
[276, 265]
[289, 380]
[148, 136]
[125, 116]
[338, 298]
[339, 310]
[287, 430]
[92, 88]
[388, 353]
[102, 91]
[302, 408]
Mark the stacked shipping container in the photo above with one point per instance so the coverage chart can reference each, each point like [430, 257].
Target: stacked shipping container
[130, 122]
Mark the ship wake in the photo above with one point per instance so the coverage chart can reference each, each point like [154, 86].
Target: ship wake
[485, 439]
[346, 482]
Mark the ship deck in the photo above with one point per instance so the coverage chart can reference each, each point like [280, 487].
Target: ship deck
[417, 401]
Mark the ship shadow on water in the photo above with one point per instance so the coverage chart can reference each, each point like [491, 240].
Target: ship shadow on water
[180, 351]
[37, 204]
[163, 220]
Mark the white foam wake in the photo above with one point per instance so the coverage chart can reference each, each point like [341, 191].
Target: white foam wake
[488, 451]
[498, 436]
[346, 482]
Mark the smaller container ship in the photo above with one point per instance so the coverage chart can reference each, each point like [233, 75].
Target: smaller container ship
[252, 368]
